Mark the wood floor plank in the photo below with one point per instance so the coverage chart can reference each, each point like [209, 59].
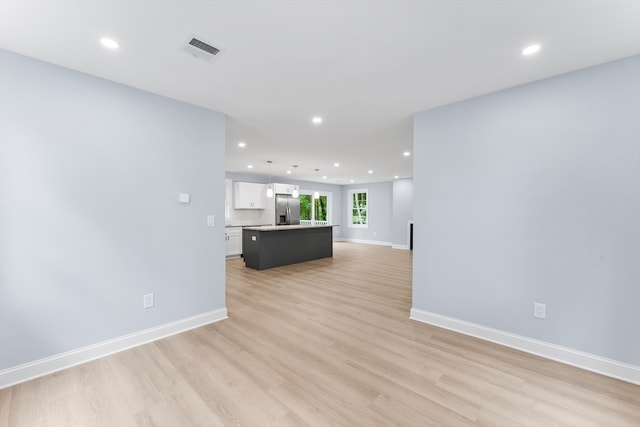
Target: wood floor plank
[322, 343]
[5, 405]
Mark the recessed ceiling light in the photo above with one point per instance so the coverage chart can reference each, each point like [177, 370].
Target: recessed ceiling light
[324, 176]
[336, 164]
[111, 44]
[406, 153]
[396, 177]
[369, 171]
[288, 172]
[530, 50]
[317, 120]
[351, 181]
[242, 144]
[250, 166]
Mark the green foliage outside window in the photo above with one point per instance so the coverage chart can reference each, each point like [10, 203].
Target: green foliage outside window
[321, 208]
[359, 208]
[305, 207]
[311, 208]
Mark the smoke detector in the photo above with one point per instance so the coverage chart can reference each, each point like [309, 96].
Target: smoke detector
[201, 49]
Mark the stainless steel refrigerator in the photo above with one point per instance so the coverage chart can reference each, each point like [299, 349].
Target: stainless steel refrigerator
[287, 210]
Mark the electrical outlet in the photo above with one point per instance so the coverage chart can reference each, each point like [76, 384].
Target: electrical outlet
[539, 310]
[148, 301]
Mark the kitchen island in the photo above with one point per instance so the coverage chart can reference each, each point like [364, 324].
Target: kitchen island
[273, 246]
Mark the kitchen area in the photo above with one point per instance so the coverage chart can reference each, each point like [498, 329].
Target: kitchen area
[246, 206]
[263, 225]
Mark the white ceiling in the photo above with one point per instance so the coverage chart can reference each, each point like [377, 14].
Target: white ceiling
[364, 66]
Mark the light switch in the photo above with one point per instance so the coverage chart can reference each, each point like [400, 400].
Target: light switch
[184, 197]
[148, 301]
[254, 238]
[211, 221]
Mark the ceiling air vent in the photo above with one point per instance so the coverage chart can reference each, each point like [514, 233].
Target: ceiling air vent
[201, 49]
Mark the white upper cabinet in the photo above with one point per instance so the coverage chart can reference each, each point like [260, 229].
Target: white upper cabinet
[284, 188]
[249, 195]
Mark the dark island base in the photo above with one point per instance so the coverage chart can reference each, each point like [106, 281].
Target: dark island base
[267, 249]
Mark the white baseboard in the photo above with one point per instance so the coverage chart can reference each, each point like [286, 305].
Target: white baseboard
[367, 242]
[49, 365]
[404, 247]
[589, 362]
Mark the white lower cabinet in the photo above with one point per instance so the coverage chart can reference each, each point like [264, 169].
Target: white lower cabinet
[233, 239]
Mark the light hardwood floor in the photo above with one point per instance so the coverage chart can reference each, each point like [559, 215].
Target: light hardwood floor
[324, 343]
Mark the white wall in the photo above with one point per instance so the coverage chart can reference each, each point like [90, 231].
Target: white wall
[379, 213]
[533, 195]
[402, 212]
[90, 173]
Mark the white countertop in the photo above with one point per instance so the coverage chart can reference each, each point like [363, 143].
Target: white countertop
[245, 225]
[286, 227]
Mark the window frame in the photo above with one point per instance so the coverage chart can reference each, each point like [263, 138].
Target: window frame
[328, 195]
[351, 208]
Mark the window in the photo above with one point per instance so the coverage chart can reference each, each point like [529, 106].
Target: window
[321, 212]
[306, 207]
[358, 208]
[314, 211]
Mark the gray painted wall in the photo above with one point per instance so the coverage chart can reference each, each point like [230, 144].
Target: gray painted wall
[90, 173]
[380, 213]
[533, 194]
[402, 211]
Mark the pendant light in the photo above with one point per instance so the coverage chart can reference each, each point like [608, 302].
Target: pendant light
[269, 188]
[316, 194]
[295, 192]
